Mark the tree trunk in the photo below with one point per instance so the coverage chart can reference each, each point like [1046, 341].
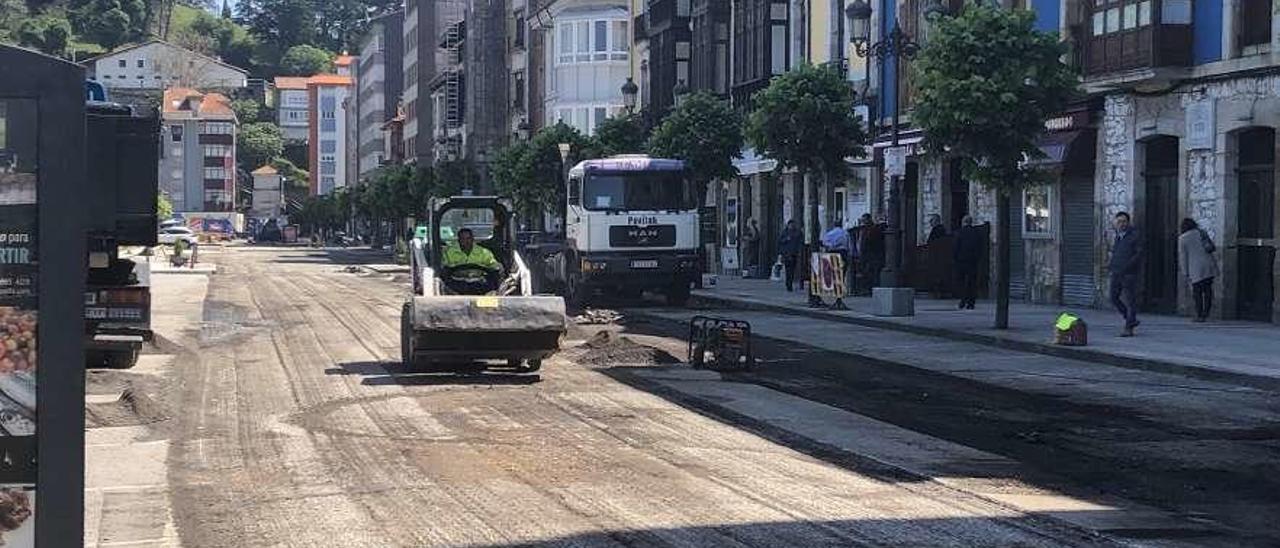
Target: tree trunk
[1002, 259]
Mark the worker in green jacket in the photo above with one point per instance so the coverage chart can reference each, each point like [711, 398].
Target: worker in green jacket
[464, 261]
[468, 253]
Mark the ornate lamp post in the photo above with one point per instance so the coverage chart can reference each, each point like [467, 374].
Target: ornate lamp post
[630, 92]
[898, 45]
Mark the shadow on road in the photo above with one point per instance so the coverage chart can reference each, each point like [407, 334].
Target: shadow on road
[393, 374]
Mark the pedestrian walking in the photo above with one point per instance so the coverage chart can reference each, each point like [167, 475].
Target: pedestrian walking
[1195, 252]
[790, 244]
[970, 248]
[1125, 267]
[752, 240]
[871, 250]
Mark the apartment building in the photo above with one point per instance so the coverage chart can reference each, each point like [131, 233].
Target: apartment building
[293, 112]
[421, 29]
[328, 99]
[379, 83]
[198, 151]
[587, 60]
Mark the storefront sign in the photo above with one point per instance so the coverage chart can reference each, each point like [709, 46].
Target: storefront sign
[1200, 125]
[1068, 121]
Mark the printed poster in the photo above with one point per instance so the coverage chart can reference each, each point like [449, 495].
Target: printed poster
[19, 318]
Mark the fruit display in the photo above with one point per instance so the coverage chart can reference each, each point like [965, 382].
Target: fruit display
[17, 340]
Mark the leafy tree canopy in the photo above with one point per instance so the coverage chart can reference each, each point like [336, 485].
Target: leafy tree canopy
[624, 134]
[532, 173]
[703, 131]
[258, 143]
[47, 33]
[805, 120]
[306, 60]
[248, 111]
[987, 82]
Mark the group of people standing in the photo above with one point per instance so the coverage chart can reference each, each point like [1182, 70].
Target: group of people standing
[863, 249]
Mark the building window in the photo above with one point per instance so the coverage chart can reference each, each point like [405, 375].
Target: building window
[141, 63]
[517, 92]
[328, 146]
[518, 35]
[216, 151]
[589, 41]
[1254, 25]
[215, 173]
[1037, 214]
[123, 63]
[329, 125]
[328, 168]
[217, 128]
[176, 132]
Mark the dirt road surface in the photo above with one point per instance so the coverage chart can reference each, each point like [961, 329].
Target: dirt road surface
[293, 425]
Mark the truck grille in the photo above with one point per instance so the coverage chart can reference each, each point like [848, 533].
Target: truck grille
[642, 236]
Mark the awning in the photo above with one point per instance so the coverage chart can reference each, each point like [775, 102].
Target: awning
[752, 163]
[1056, 147]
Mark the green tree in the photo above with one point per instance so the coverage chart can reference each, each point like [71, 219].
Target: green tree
[257, 144]
[47, 33]
[703, 131]
[110, 28]
[305, 60]
[249, 111]
[804, 120]
[987, 81]
[532, 173]
[623, 134]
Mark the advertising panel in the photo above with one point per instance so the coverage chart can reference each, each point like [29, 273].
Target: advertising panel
[19, 316]
[826, 272]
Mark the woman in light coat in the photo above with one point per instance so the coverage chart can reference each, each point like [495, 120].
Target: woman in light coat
[1199, 268]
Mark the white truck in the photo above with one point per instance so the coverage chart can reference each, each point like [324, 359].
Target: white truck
[631, 225]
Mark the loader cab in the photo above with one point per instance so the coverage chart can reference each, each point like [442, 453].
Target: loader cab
[488, 218]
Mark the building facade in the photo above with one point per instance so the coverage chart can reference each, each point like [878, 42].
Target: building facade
[293, 111]
[379, 83]
[587, 59]
[158, 65]
[328, 99]
[198, 151]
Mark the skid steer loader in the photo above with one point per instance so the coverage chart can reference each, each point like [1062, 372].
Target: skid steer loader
[462, 315]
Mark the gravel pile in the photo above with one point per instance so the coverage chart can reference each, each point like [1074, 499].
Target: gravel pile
[607, 349]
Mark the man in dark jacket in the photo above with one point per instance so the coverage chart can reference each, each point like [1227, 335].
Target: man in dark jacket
[871, 250]
[971, 246]
[1125, 267]
[790, 244]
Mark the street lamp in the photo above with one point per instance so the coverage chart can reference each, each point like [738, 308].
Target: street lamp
[680, 91]
[565, 149]
[898, 45]
[523, 129]
[629, 93]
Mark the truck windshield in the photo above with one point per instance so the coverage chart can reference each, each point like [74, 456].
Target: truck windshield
[636, 190]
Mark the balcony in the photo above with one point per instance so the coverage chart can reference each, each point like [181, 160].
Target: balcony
[1130, 41]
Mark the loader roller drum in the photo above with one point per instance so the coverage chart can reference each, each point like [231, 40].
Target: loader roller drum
[466, 327]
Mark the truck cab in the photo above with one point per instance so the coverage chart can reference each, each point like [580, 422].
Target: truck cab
[631, 225]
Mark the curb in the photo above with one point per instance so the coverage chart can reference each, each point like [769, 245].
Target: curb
[1068, 352]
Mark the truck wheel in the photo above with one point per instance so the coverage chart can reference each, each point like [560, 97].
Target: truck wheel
[122, 359]
[678, 295]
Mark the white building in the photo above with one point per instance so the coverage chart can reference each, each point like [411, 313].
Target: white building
[328, 96]
[588, 58]
[268, 196]
[293, 109]
[198, 151]
[157, 65]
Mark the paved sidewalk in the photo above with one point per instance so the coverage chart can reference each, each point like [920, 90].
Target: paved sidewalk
[1240, 352]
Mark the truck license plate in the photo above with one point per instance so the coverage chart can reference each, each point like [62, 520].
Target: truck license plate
[647, 263]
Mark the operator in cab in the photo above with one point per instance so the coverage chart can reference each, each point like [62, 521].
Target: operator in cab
[470, 269]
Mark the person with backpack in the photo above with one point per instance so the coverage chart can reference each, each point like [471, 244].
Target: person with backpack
[1199, 268]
